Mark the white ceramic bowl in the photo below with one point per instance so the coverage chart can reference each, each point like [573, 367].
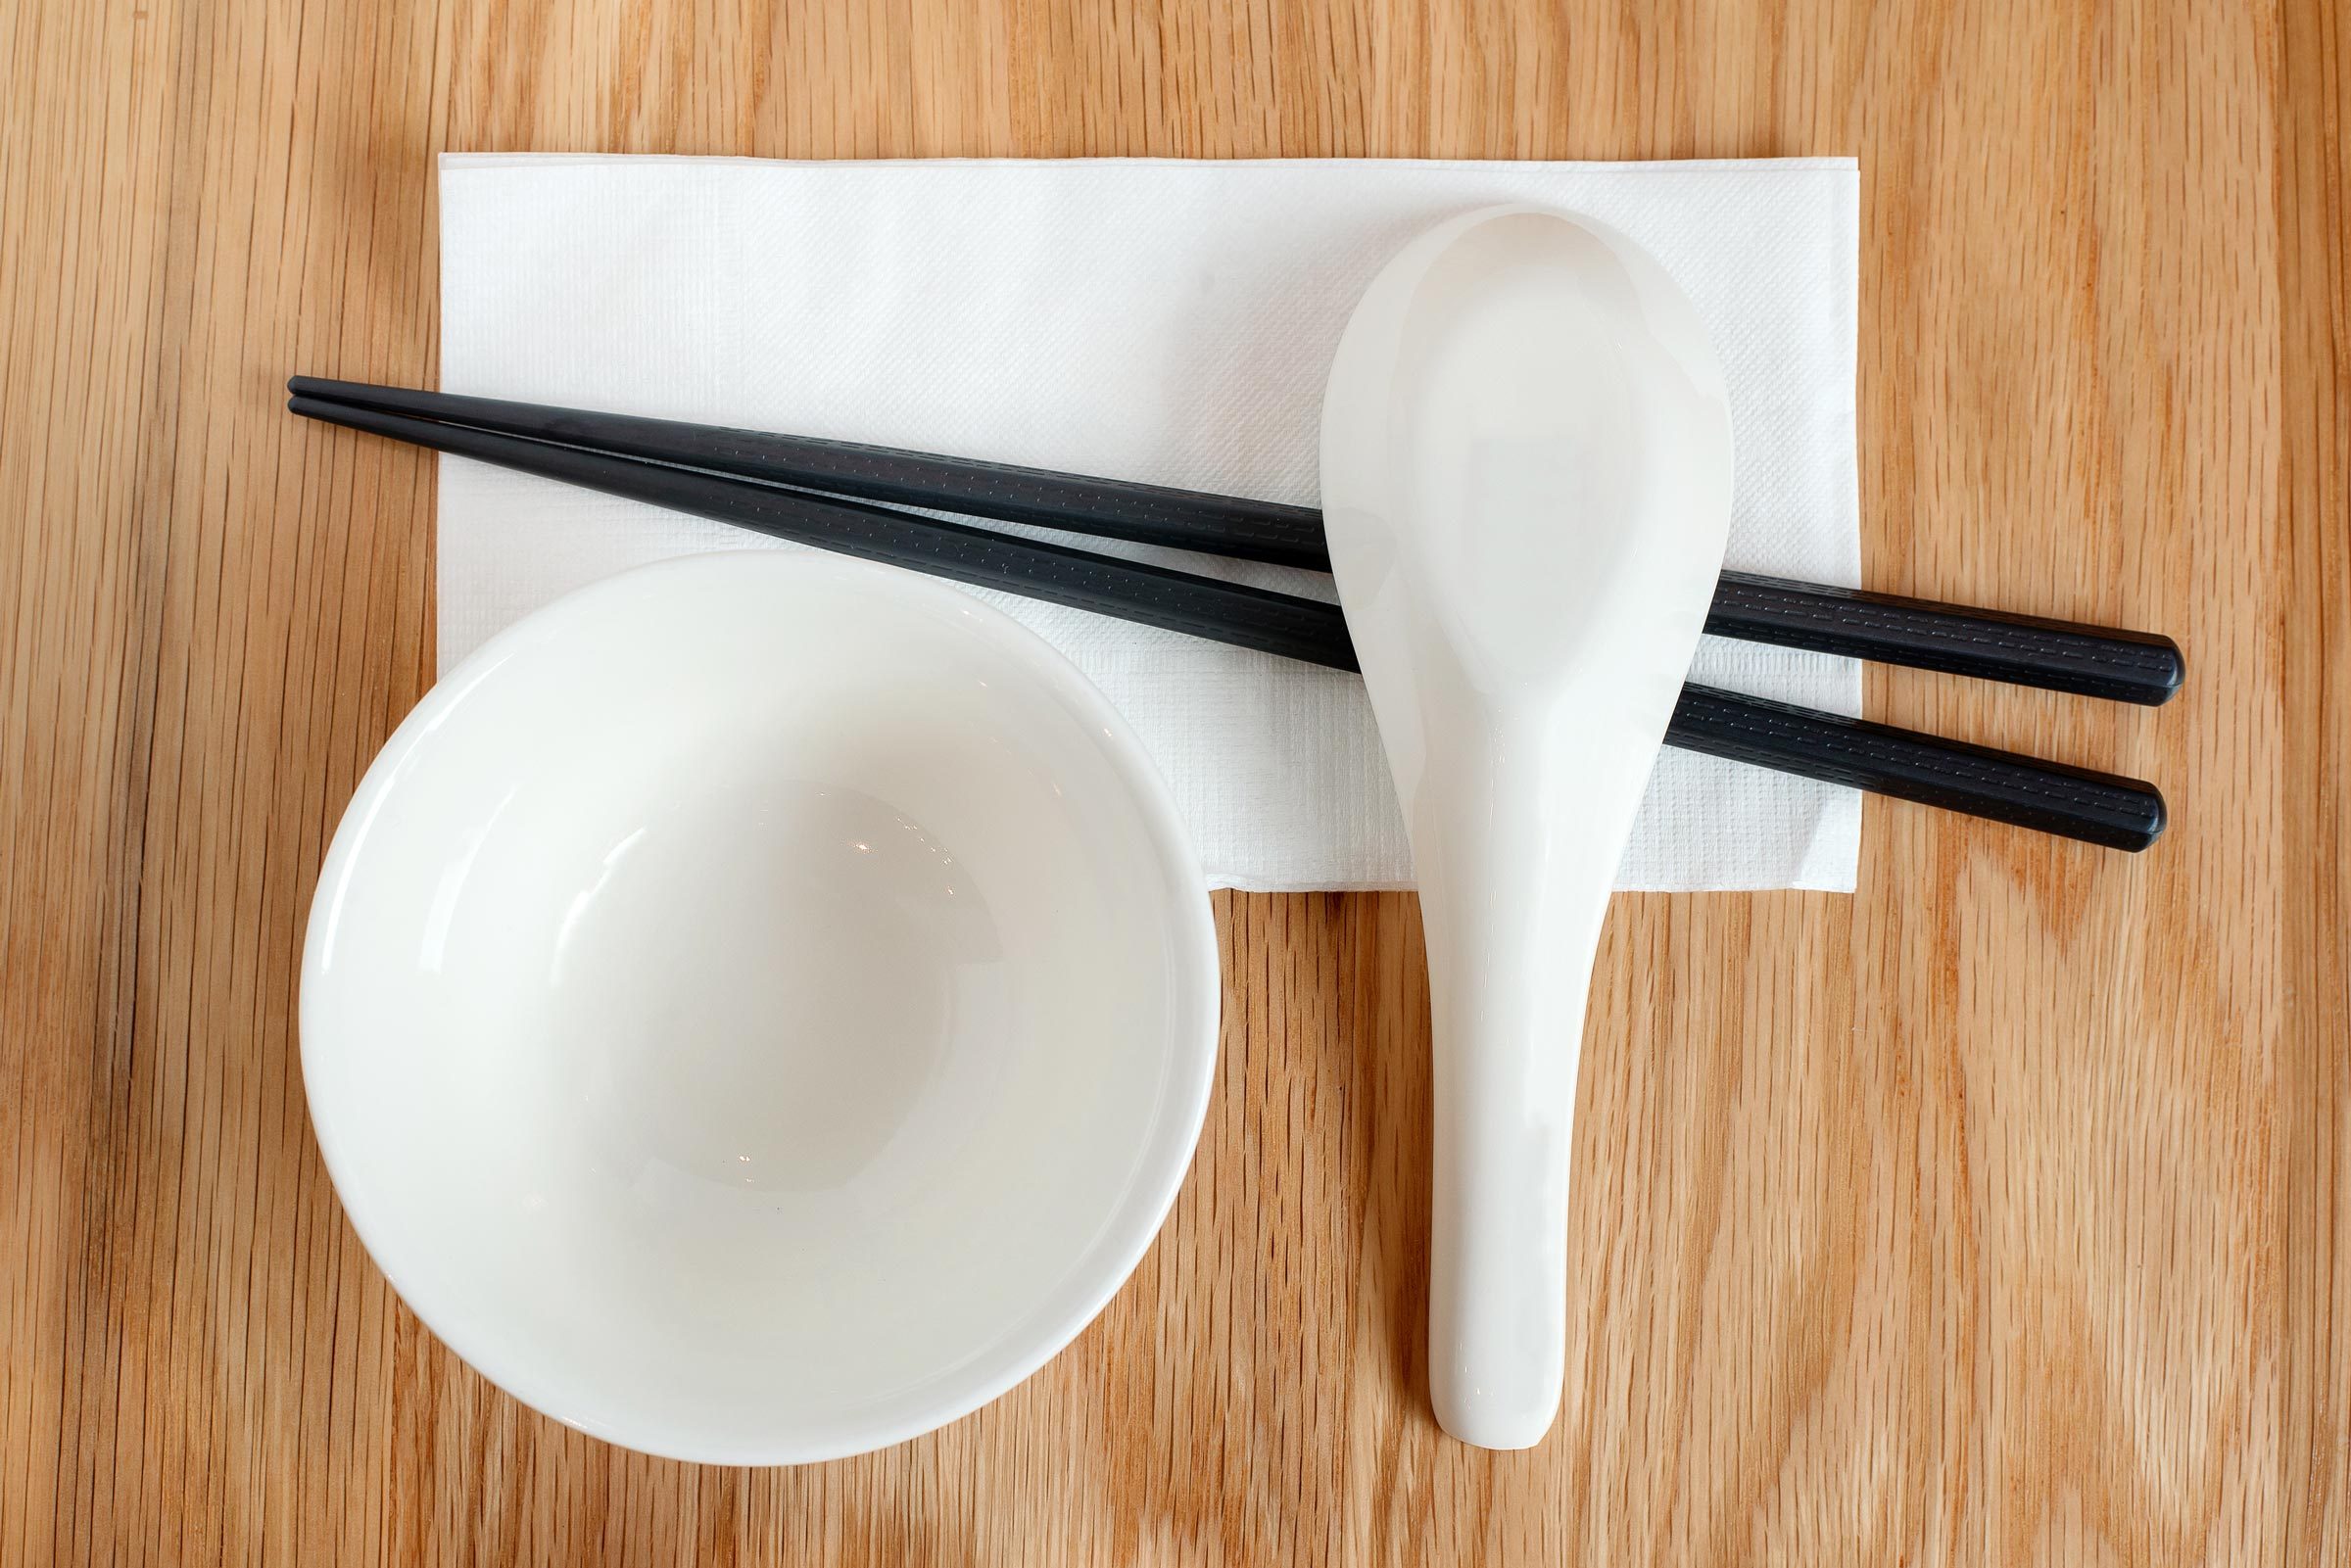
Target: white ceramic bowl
[759, 1008]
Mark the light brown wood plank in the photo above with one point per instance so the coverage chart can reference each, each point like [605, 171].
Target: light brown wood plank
[1996, 1214]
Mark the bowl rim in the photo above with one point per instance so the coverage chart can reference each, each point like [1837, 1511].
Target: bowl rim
[1186, 1081]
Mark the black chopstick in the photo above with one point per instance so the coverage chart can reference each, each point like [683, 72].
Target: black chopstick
[1990, 644]
[1107, 508]
[2075, 803]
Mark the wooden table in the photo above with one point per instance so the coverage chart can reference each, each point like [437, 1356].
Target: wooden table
[1999, 1212]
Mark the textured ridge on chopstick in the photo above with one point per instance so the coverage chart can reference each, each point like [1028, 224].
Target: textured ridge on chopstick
[2098, 808]
[2107, 662]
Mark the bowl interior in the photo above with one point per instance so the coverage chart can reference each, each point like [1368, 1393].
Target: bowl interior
[759, 1008]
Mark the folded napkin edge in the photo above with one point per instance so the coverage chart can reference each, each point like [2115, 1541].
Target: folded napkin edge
[1796, 164]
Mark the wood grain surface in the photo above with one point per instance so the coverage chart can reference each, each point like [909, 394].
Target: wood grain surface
[1998, 1213]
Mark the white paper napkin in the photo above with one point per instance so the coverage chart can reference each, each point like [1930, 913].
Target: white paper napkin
[1168, 321]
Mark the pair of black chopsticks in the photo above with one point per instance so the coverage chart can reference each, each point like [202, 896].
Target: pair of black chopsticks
[847, 497]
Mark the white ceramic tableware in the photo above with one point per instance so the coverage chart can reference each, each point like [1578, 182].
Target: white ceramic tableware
[760, 1006]
[1526, 482]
